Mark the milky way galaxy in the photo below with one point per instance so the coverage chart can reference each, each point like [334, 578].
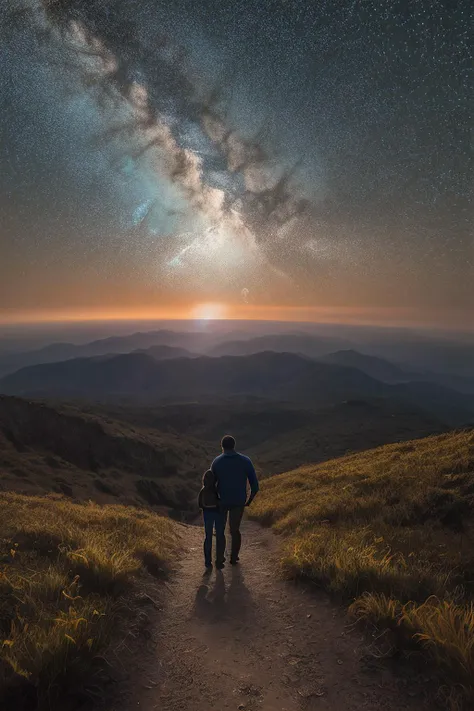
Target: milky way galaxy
[303, 154]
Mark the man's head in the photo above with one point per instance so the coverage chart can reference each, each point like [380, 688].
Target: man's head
[228, 443]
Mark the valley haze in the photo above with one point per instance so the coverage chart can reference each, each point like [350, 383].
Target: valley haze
[107, 426]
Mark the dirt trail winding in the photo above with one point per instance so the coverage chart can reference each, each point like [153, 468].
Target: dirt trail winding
[243, 639]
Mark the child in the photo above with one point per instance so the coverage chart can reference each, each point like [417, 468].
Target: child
[208, 501]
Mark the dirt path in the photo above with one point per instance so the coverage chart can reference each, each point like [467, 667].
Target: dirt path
[243, 639]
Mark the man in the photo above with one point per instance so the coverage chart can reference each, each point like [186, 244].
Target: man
[232, 471]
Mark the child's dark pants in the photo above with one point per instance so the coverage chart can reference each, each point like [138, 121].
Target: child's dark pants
[213, 518]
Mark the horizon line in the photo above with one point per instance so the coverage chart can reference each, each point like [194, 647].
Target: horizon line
[91, 319]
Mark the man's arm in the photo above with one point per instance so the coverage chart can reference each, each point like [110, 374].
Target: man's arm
[253, 481]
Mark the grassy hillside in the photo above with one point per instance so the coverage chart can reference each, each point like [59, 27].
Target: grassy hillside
[93, 456]
[67, 574]
[391, 530]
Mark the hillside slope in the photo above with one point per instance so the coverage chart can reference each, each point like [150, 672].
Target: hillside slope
[391, 529]
[61, 449]
[343, 428]
[278, 435]
[70, 580]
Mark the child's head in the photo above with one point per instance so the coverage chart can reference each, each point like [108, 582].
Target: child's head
[208, 480]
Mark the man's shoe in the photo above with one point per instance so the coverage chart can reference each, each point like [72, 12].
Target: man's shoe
[219, 566]
[208, 570]
[234, 561]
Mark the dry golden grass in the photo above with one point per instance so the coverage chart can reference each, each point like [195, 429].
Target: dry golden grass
[65, 570]
[391, 531]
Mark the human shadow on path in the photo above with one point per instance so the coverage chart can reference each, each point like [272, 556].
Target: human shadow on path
[224, 598]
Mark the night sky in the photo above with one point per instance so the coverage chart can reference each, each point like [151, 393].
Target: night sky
[277, 159]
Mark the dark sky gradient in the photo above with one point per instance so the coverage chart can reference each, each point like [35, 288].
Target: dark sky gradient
[305, 154]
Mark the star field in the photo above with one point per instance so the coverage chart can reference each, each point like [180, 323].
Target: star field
[300, 153]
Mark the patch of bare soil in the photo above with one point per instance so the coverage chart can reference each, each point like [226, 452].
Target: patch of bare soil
[245, 639]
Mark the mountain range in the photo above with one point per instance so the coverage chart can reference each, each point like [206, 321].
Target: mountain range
[405, 356]
[161, 344]
[389, 372]
[286, 377]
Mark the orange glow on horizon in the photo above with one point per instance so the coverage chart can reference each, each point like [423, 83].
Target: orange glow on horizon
[210, 312]
[355, 315]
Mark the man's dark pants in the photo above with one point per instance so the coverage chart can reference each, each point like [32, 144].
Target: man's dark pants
[234, 514]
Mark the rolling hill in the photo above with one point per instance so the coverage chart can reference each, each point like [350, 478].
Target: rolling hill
[279, 435]
[72, 578]
[252, 420]
[61, 449]
[390, 531]
[344, 428]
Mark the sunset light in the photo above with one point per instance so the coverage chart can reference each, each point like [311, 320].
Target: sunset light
[209, 311]
[236, 300]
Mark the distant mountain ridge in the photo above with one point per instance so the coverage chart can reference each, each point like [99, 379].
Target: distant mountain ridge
[164, 352]
[438, 360]
[299, 343]
[192, 342]
[56, 352]
[421, 356]
[267, 374]
[276, 376]
[389, 372]
[378, 368]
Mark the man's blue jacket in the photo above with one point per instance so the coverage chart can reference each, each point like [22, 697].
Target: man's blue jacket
[232, 471]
